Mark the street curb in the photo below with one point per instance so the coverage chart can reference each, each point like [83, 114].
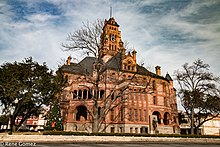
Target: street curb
[103, 139]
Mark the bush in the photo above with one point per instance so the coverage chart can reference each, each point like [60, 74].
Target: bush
[127, 134]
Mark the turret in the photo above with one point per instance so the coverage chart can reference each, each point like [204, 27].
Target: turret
[134, 55]
[68, 60]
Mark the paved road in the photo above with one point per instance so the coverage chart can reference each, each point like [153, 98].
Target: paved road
[128, 145]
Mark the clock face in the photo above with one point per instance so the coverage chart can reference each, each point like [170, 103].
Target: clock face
[112, 38]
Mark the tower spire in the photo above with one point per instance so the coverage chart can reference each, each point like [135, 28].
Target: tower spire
[110, 11]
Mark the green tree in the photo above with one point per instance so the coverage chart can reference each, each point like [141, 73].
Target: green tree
[199, 93]
[26, 87]
[4, 120]
[54, 120]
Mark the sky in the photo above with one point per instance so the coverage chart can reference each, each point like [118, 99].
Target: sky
[167, 33]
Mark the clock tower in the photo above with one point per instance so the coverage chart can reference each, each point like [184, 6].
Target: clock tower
[110, 42]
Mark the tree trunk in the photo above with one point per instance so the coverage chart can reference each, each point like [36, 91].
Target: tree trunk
[95, 109]
[12, 125]
[95, 126]
[197, 130]
[192, 121]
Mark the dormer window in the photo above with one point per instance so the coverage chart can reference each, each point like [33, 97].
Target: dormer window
[129, 67]
[125, 66]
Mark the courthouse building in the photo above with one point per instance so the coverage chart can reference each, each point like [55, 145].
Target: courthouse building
[150, 105]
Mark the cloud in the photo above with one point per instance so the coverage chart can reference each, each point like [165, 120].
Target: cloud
[164, 32]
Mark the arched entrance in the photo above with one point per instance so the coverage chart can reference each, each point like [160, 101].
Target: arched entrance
[81, 113]
[158, 116]
[166, 118]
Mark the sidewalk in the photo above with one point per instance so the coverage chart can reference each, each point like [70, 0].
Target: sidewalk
[104, 139]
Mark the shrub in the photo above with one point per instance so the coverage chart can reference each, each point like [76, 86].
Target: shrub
[127, 134]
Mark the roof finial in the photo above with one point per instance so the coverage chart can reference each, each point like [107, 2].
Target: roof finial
[110, 11]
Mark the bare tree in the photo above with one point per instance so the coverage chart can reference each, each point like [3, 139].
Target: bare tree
[199, 93]
[87, 39]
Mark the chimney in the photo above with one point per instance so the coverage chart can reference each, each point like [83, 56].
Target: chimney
[134, 55]
[68, 60]
[158, 71]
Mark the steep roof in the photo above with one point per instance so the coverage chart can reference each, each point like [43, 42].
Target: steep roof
[114, 62]
[112, 21]
[168, 77]
[83, 67]
[86, 67]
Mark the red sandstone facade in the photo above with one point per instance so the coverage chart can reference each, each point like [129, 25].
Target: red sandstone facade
[150, 105]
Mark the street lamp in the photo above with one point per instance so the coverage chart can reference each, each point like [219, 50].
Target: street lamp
[11, 112]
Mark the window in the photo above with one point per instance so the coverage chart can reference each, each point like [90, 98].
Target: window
[136, 130]
[74, 94]
[165, 102]
[112, 129]
[113, 96]
[140, 115]
[90, 94]
[135, 114]
[80, 94]
[166, 118]
[84, 94]
[122, 114]
[154, 100]
[131, 130]
[141, 130]
[129, 67]
[102, 94]
[154, 85]
[112, 115]
[132, 67]
[125, 66]
[145, 115]
[121, 129]
[164, 87]
[130, 114]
